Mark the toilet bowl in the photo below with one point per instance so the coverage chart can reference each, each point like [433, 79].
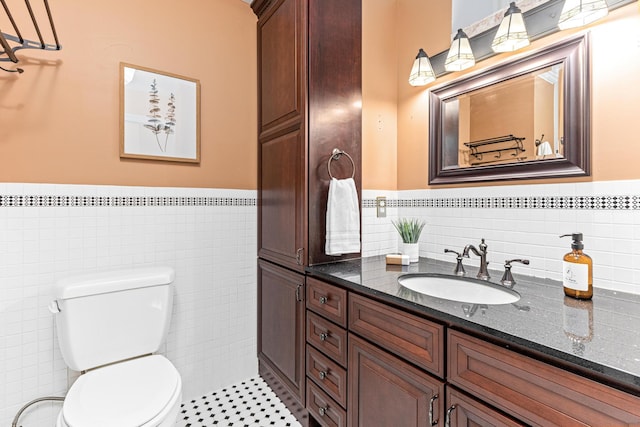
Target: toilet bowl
[143, 392]
[109, 326]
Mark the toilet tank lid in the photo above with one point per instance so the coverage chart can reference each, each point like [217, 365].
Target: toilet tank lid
[112, 281]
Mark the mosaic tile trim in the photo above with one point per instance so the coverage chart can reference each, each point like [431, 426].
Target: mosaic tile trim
[625, 202]
[99, 201]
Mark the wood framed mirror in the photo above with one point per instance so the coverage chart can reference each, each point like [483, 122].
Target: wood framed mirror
[527, 118]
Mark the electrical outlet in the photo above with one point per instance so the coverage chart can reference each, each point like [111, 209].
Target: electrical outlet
[381, 207]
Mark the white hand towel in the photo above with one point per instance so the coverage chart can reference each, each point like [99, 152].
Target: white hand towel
[343, 218]
[544, 149]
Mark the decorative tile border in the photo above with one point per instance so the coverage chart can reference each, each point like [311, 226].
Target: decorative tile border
[120, 201]
[624, 202]
[617, 202]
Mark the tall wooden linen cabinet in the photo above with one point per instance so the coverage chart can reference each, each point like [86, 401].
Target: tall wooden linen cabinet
[309, 102]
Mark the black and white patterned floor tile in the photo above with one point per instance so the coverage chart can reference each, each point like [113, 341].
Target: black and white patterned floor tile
[250, 403]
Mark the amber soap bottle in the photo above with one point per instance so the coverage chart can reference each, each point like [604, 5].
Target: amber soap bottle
[577, 270]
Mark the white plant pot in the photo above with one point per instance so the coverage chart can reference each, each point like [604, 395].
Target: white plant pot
[413, 250]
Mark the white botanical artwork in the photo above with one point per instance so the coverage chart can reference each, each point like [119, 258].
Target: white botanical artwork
[159, 115]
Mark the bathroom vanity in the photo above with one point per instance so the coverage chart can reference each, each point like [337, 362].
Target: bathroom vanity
[380, 354]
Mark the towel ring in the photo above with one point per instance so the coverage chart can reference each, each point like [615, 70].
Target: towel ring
[335, 155]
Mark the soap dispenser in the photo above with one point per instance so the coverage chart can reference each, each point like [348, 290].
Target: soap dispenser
[577, 270]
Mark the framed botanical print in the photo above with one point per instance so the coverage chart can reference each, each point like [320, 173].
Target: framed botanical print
[159, 115]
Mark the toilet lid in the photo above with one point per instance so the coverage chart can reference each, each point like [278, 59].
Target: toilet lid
[128, 393]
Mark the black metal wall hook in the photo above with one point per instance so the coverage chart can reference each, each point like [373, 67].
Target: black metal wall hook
[17, 70]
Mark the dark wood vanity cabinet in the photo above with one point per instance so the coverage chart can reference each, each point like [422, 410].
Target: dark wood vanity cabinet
[309, 67]
[395, 373]
[384, 390]
[281, 334]
[282, 151]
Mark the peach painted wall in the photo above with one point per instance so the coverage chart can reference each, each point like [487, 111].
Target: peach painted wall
[427, 25]
[379, 94]
[59, 120]
[615, 65]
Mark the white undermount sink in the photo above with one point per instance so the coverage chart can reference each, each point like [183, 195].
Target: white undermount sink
[459, 289]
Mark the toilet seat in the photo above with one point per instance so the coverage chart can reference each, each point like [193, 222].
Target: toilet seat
[136, 393]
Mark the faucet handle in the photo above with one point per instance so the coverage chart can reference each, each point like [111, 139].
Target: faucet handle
[508, 262]
[507, 277]
[459, 270]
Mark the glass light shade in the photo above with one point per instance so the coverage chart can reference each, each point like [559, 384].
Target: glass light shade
[577, 13]
[460, 56]
[421, 72]
[512, 33]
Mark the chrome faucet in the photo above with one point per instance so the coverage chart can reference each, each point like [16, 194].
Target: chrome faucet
[483, 273]
[507, 278]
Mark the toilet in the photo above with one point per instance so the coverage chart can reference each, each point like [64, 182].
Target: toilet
[109, 326]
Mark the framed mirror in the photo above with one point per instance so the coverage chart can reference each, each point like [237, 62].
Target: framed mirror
[528, 118]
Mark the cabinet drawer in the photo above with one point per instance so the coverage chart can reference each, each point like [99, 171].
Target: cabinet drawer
[324, 410]
[327, 300]
[330, 338]
[413, 338]
[328, 375]
[533, 391]
[464, 411]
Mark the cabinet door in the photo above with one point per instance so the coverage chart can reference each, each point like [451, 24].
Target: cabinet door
[282, 201]
[281, 325]
[464, 411]
[385, 391]
[282, 70]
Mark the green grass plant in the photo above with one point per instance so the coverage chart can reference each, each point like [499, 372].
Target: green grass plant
[409, 229]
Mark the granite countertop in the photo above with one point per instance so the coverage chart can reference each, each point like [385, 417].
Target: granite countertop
[601, 336]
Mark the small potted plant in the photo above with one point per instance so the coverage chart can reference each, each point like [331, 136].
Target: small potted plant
[410, 230]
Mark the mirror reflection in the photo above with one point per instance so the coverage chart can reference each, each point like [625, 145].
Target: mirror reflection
[517, 120]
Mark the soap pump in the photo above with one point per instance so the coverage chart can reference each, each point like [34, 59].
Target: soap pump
[577, 270]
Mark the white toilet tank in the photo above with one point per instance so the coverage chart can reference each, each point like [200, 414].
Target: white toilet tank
[107, 317]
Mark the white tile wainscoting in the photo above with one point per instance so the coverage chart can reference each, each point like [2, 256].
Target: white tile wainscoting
[209, 236]
[48, 232]
[521, 221]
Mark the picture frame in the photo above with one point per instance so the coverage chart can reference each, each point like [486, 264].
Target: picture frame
[159, 115]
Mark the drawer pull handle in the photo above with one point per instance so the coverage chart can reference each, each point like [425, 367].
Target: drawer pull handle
[323, 300]
[324, 336]
[431, 402]
[322, 411]
[298, 293]
[322, 375]
[447, 420]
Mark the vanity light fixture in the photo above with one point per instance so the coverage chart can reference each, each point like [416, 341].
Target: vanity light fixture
[576, 13]
[421, 72]
[460, 56]
[512, 33]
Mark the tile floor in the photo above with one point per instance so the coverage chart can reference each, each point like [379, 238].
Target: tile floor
[250, 403]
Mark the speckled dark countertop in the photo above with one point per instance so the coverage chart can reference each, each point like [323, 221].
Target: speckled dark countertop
[601, 336]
